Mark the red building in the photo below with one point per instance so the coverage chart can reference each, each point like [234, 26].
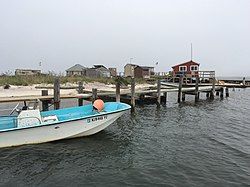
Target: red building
[189, 69]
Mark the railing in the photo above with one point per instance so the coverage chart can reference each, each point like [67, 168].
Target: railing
[161, 74]
[204, 76]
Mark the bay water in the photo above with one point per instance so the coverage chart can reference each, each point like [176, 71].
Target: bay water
[188, 144]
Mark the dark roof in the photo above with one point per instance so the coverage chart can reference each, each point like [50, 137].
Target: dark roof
[99, 66]
[143, 67]
[101, 69]
[76, 67]
[147, 67]
[131, 64]
[186, 63]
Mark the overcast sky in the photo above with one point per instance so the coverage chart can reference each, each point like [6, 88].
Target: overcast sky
[61, 33]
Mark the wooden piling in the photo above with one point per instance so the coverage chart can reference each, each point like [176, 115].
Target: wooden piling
[217, 93]
[207, 94]
[164, 98]
[118, 91]
[80, 87]
[244, 81]
[183, 98]
[227, 92]
[213, 89]
[133, 92]
[197, 89]
[45, 103]
[158, 92]
[221, 92]
[142, 97]
[180, 88]
[94, 94]
[80, 91]
[57, 93]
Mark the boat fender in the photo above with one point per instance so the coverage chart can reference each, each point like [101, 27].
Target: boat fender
[98, 105]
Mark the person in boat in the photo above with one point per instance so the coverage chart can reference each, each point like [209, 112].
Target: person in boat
[98, 105]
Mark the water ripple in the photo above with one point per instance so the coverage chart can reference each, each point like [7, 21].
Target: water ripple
[189, 144]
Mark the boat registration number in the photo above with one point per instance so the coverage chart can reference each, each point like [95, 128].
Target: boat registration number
[97, 118]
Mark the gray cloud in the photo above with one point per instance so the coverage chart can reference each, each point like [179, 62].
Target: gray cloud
[62, 33]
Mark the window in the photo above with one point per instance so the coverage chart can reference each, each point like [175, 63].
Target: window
[183, 68]
[194, 68]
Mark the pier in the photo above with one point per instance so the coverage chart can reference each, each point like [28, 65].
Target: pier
[157, 94]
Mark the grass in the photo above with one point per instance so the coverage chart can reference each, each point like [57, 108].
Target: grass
[49, 79]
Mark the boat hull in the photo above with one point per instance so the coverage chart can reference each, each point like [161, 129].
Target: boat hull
[65, 130]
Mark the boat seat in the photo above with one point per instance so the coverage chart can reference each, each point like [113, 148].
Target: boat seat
[28, 118]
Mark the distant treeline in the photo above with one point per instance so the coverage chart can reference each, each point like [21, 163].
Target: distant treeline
[49, 79]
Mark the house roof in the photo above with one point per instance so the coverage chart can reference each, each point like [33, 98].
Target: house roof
[143, 67]
[182, 64]
[99, 66]
[147, 67]
[76, 67]
[28, 70]
[101, 69]
[131, 65]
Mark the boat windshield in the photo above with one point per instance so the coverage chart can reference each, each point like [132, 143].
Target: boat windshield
[8, 122]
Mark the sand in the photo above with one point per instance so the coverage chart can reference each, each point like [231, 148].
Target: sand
[17, 91]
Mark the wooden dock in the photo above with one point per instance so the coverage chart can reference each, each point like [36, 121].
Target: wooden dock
[156, 94]
[132, 96]
[89, 95]
[235, 82]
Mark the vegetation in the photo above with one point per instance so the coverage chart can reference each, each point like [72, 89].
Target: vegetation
[49, 79]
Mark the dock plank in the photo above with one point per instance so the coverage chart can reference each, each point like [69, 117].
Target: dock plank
[89, 95]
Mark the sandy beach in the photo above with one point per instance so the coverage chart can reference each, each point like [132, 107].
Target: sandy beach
[17, 91]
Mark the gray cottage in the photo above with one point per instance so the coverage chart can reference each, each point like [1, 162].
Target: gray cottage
[77, 70]
[27, 72]
[97, 71]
